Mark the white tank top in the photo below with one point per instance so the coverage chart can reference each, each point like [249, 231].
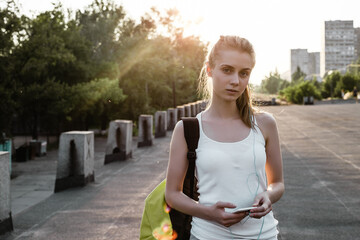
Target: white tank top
[226, 172]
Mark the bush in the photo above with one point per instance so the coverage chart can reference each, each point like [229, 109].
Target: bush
[296, 94]
[346, 83]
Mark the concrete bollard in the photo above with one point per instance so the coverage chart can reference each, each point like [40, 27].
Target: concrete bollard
[171, 118]
[180, 112]
[193, 109]
[160, 124]
[119, 141]
[203, 105]
[187, 110]
[145, 130]
[39, 147]
[5, 207]
[7, 146]
[198, 107]
[76, 160]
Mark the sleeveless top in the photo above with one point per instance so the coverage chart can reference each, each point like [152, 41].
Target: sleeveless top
[226, 172]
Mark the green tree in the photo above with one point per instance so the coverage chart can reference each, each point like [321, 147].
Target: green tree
[10, 25]
[330, 83]
[100, 24]
[44, 54]
[273, 83]
[297, 76]
[91, 103]
[161, 70]
[346, 83]
[57, 56]
[42, 106]
[40, 62]
[81, 71]
[296, 93]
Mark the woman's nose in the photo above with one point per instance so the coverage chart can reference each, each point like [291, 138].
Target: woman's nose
[234, 80]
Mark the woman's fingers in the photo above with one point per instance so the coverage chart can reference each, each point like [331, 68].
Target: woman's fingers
[260, 211]
[234, 218]
[224, 205]
[225, 218]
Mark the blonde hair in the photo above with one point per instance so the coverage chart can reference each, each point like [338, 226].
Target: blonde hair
[244, 102]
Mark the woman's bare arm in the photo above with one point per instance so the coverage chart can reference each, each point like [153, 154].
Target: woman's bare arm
[273, 167]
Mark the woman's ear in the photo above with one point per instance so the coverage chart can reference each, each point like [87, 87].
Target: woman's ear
[208, 69]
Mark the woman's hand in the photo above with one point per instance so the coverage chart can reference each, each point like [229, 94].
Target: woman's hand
[263, 204]
[218, 214]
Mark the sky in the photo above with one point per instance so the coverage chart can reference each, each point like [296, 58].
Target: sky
[272, 26]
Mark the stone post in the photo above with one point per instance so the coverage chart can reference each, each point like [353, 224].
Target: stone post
[187, 110]
[171, 118]
[160, 124]
[39, 147]
[76, 160]
[5, 207]
[273, 101]
[198, 106]
[119, 141]
[180, 112]
[194, 111]
[7, 146]
[203, 105]
[145, 130]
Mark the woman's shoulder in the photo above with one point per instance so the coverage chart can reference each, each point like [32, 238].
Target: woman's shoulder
[178, 141]
[263, 117]
[179, 127]
[266, 122]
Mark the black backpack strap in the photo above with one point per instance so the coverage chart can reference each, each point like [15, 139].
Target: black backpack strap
[192, 134]
[181, 222]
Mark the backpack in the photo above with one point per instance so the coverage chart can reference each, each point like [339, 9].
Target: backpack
[159, 221]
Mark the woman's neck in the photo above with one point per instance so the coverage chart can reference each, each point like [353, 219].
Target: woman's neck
[223, 110]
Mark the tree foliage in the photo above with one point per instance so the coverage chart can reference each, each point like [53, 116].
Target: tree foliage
[297, 75]
[330, 83]
[300, 88]
[165, 65]
[346, 83]
[61, 72]
[10, 26]
[296, 93]
[274, 83]
[331, 87]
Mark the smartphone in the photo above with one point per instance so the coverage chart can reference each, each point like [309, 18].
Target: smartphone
[234, 210]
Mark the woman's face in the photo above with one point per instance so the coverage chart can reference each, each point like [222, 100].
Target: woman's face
[231, 74]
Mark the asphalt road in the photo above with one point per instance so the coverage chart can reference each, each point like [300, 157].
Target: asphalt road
[321, 155]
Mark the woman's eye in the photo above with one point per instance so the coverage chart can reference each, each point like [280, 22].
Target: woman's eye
[244, 74]
[226, 70]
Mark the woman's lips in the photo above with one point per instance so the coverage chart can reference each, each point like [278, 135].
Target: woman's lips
[232, 90]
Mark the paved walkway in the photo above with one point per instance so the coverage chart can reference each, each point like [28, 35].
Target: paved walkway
[321, 157]
[321, 154]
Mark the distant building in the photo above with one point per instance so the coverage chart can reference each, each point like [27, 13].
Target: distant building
[338, 46]
[308, 62]
[299, 58]
[357, 42]
[314, 63]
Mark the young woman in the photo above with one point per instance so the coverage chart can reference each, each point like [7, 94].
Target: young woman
[238, 157]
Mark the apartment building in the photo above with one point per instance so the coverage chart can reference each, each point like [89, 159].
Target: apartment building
[309, 62]
[357, 42]
[338, 46]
